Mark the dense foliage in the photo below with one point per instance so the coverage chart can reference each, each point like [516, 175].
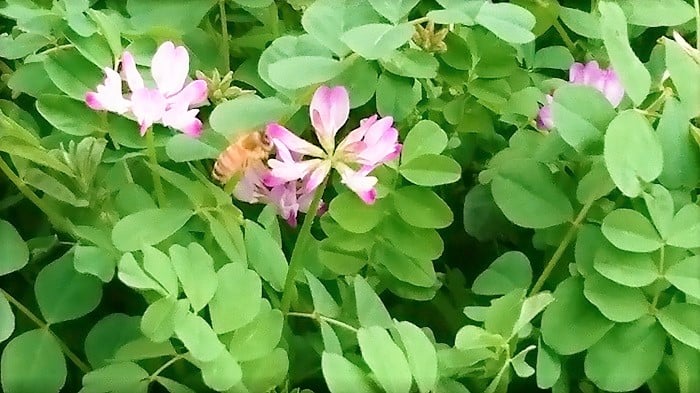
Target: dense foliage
[510, 202]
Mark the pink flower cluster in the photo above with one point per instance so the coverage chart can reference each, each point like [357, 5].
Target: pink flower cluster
[169, 102]
[290, 179]
[590, 74]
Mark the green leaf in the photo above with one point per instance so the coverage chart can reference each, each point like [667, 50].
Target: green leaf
[301, 71]
[634, 77]
[520, 366]
[683, 71]
[422, 207]
[7, 319]
[265, 255]
[528, 196]
[595, 184]
[654, 13]
[681, 321]
[159, 266]
[94, 48]
[222, 373]
[22, 45]
[148, 227]
[504, 312]
[183, 148]
[431, 170]
[393, 10]
[385, 359]
[660, 206]
[532, 306]
[324, 303]
[72, 73]
[109, 27]
[50, 186]
[684, 230]
[571, 324]
[327, 20]
[548, 366]
[581, 22]
[418, 242]
[359, 78]
[198, 337]
[245, 113]
[482, 217]
[353, 215]
[108, 335]
[264, 374]
[509, 22]
[411, 63]
[396, 96]
[173, 386]
[330, 339]
[370, 309]
[237, 298]
[681, 158]
[95, 261]
[14, 253]
[626, 268]
[158, 321]
[419, 272]
[426, 137]
[195, 270]
[132, 198]
[471, 337]
[377, 40]
[627, 356]
[64, 294]
[421, 355]
[618, 303]
[131, 274]
[555, 57]
[685, 275]
[509, 271]
[258, 338]
[117, 377]
[458, 12]
[581, 115]
[33, 362]
[340, 374]
[632, 152]
[173, 14]
[629, 230]
[31, 79]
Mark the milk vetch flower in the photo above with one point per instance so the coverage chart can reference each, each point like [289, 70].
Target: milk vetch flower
[590, 74]
[168, 102]
[373, 143]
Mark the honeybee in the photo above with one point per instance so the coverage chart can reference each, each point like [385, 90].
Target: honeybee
[245, 149]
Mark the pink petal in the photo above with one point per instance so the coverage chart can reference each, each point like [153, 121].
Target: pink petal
[282, 136]
[193, 94]
[183, 120]
[544, 120]
[357, 134]
[359, 183]
[576, 73]
[284, 198]
[169, 68]
[317, 176]
[131, 74]
[613, 90]
[329, 110]
[251, 188]
[148, 105]
[108, 95]
[281, 172]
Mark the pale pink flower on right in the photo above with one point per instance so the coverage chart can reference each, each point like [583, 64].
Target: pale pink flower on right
[605, 81]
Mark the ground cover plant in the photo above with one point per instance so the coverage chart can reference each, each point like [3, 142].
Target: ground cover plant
[365, 196]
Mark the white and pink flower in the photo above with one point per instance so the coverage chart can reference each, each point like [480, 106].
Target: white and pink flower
[170, 102]
[373, 143]
[605, 81]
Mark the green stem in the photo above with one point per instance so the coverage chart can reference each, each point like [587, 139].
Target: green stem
[697, 24]
[318, 317]
[224, 33]
[662, 254]
[559, 252]
[157, 182]
[296, 263]
[42, 325]
[56, 219]
[164, 366]
[564, 36]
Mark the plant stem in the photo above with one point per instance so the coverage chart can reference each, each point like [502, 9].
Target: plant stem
[296, 262]
[662, 253]
[157, 182]
[56, 219]
[42, 325]
[559, 252]
[224, 34]
[318, 317]
[564, 36]
[164, 366]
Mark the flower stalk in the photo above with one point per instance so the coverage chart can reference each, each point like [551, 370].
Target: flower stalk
[157, 182]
